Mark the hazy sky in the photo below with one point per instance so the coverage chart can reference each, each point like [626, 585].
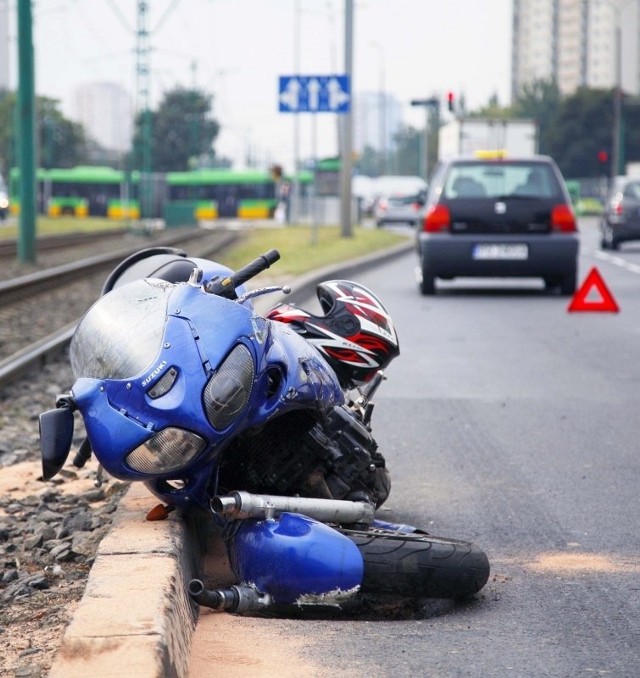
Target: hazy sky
[236, 49]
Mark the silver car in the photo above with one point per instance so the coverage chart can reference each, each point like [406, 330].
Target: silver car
[621, 218]
[398, 209]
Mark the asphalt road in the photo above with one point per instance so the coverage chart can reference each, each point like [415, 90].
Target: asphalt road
[512, 423]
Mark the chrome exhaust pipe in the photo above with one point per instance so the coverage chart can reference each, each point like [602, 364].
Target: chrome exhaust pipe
[232, 599]
[242, 505]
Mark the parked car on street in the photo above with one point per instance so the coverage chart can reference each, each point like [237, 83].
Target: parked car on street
[621, 217]
[498, 217]
[394, 209]
[4, 200]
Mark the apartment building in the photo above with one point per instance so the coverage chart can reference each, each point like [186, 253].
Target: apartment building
[576, 43]
[106, 112]
[377, 119]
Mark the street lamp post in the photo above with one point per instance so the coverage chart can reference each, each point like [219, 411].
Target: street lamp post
[617, 102]
[616, 132]
[382, 109]
[431, 104]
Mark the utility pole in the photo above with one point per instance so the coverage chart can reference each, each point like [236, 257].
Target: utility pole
[143, 73]
[431, 104]
[346, 159]
[26, 134]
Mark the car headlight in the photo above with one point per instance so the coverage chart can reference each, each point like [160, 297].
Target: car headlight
[168, 450]
[229, 389]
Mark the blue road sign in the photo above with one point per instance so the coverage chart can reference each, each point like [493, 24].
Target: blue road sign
[314, 94]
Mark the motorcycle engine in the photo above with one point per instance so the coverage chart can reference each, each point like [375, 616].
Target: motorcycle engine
[331, 457]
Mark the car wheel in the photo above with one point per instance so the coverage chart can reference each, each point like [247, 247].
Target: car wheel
[427, 284]
[609, 241]
[569, 284]
[550, 284]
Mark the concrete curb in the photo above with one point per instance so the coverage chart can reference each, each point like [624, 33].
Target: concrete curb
[135, 617]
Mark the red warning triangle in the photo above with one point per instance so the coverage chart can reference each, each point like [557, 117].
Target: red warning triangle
[605, 303]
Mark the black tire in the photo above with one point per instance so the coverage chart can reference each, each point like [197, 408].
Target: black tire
[551, 284]
[427, 284]
[569, 284]
[419, 565]
[609, 241]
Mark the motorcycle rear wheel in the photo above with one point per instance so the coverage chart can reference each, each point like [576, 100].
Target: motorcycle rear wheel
[419, 565]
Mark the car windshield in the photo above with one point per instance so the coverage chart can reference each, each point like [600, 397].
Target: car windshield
[501, 180]
[398, 200]
[632, 190]
[122, 332]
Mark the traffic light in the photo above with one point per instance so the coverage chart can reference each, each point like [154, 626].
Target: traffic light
[450, 101]
[603, 159]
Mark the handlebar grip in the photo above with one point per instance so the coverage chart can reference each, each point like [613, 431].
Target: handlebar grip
[226, 287]
[254, 267]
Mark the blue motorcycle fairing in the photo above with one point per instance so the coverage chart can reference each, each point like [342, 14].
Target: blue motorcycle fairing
[295, 556]
[307, 377]
[111, 433]
[199, 332]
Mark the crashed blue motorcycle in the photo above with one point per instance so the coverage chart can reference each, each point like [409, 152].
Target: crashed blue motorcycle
[262, 422]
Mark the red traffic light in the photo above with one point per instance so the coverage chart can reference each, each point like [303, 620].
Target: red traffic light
[603, 156]
[450, 101]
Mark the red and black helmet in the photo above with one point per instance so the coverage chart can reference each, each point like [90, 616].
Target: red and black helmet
[355, 335]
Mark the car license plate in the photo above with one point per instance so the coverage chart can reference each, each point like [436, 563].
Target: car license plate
[497, 251]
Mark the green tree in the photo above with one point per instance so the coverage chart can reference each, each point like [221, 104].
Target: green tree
[61, 142]
[409, 145]
[7, 134]
[492, 109]
[369, 162]
[540, 101]
[581, 128]
[584, 127]
[182, 131]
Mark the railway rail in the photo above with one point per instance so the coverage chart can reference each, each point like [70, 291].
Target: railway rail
[48, 243]
[20, 298]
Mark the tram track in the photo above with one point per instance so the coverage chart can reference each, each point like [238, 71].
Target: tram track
[64, 273]
[48, 243]
[69, 289]
[138, 572]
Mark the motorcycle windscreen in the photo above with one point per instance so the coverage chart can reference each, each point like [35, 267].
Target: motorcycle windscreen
[121, 334]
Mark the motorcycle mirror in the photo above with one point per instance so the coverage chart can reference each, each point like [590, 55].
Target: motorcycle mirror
[56, 433]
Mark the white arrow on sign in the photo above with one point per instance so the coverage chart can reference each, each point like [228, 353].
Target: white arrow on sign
[314, 88]
[337, 96]
[290, 97]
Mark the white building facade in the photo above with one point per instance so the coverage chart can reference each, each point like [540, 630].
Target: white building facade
[377, 118]
[575, 43]
[106, 112]
[4, 44]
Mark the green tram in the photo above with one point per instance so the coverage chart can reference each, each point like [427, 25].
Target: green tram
[178, 197]
[209, 194]
[82, 191]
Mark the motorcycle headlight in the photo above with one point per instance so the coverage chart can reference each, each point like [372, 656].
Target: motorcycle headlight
[168, 450]
[229, 389]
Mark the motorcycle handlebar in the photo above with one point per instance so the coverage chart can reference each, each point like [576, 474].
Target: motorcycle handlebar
[226, 287]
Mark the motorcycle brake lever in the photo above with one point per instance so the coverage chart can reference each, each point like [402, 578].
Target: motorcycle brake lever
[285, 289]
